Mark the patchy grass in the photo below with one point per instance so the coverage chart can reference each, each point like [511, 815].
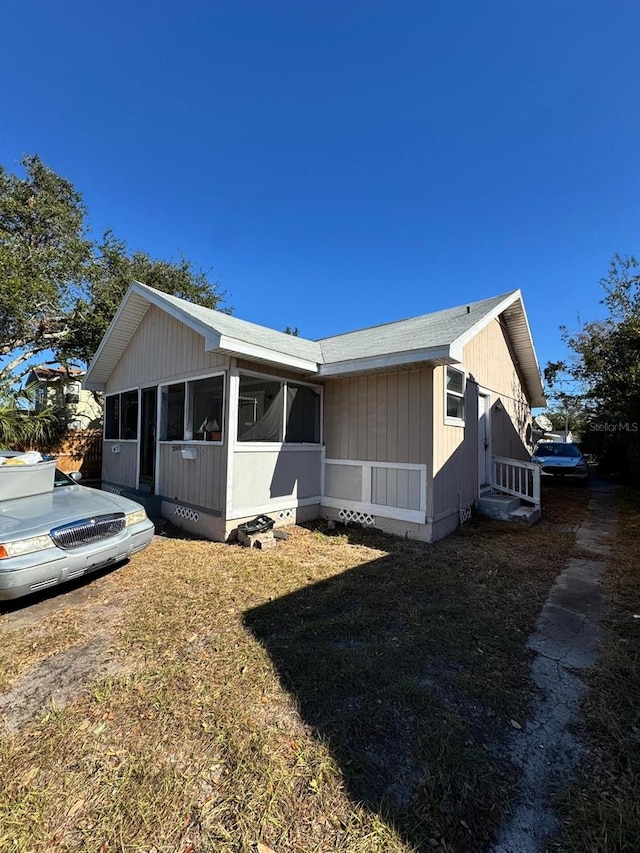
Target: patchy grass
[602, 809]
[343, 692]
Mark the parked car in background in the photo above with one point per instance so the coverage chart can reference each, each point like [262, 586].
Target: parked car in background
[561, 460]
[63, 533]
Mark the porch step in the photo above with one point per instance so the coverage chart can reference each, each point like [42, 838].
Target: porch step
[526, 514]
[498, 506]
[508, 508]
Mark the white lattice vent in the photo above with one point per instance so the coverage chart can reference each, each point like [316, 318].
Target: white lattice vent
[187, 513]
[285, 515]
[465, 514]
[113, 489]
[361, 517]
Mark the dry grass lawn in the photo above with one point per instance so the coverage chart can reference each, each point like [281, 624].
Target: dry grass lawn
[344, 692]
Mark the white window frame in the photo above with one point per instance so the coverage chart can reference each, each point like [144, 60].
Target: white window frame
[104, 419]
[449, 421]
[286, 445]
[187, 409]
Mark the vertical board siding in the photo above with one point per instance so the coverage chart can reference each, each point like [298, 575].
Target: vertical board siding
[120, 468]
[200, 481]
[162, 349]
[488, 363]
[384, 417]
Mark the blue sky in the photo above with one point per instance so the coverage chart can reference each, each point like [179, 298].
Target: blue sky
[339, 165]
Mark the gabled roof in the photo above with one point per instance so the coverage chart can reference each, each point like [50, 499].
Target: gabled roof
[436, 338]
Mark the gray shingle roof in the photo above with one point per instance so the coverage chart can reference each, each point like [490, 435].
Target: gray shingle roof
[243, 330]
[429, 330]
[436, 338]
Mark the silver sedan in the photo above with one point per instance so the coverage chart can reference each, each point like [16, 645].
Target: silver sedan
[62, 534]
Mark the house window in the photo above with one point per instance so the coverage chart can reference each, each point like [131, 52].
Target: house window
[277, 410]
[454, 395]
[303, 414]
[173, 406]
[206, 397]
[121, 416]
[112, 416]
[129, 415]
[260, 409]
[193, 411]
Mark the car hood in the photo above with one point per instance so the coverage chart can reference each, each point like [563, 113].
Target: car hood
[560, 461]
[23, 517]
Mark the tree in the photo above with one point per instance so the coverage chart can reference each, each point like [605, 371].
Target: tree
[606, 369]
[59, 289]
[112, 272]
[22, 427]
[44, 258]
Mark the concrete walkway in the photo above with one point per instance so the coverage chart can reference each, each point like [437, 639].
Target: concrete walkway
[566, 642]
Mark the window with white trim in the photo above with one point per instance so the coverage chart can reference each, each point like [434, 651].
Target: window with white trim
[193, 411]
[454, 395]
[121, 416]
[276, 410]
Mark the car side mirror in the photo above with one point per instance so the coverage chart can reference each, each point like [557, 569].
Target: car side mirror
[75, 475]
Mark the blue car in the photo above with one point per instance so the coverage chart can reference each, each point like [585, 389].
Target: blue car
[561, 460]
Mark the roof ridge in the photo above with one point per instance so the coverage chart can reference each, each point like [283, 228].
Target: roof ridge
[498, 298]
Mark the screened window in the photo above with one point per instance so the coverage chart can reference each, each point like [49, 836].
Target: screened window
[112, 416]
[206, 408]
[277, 410]
[129, 415]
[260, 409]
[173, 404]
[121, 416]
[303, 414]
[454, 394]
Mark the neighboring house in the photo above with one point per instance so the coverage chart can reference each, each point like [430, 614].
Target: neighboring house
[556, 435]
[60, 388]
[394, 426]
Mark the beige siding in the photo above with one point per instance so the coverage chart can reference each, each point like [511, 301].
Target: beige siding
[275, 477]
[120, 468]
[488, 363]
[200, 481]
[162, 349]
[384, 417]
[487, 358]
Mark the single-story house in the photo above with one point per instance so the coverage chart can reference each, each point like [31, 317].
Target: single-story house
[394, 426]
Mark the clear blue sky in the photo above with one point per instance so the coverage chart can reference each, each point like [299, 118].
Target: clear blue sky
[339, 165]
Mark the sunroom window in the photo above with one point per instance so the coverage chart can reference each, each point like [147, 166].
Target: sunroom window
[193, 411]
[277, 410]
[172, 423]
[454, 394]
[206, 408]
[121, 416]
[260, 409]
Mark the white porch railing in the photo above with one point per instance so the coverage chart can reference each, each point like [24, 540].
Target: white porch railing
[518, 478]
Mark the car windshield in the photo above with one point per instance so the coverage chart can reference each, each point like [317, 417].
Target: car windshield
[61, 479]
[554, 448]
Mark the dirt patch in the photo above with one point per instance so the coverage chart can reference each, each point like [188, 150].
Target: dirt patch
[54, 682]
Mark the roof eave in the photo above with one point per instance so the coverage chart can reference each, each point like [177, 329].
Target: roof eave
[432, 355]
[241, 349]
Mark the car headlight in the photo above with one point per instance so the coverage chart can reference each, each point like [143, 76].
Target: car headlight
[135, 517]
[25, 546]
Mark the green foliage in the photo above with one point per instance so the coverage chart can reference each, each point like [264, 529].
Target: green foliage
[112, 273]
[59, 289]
[21, 427]
[607, 369]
